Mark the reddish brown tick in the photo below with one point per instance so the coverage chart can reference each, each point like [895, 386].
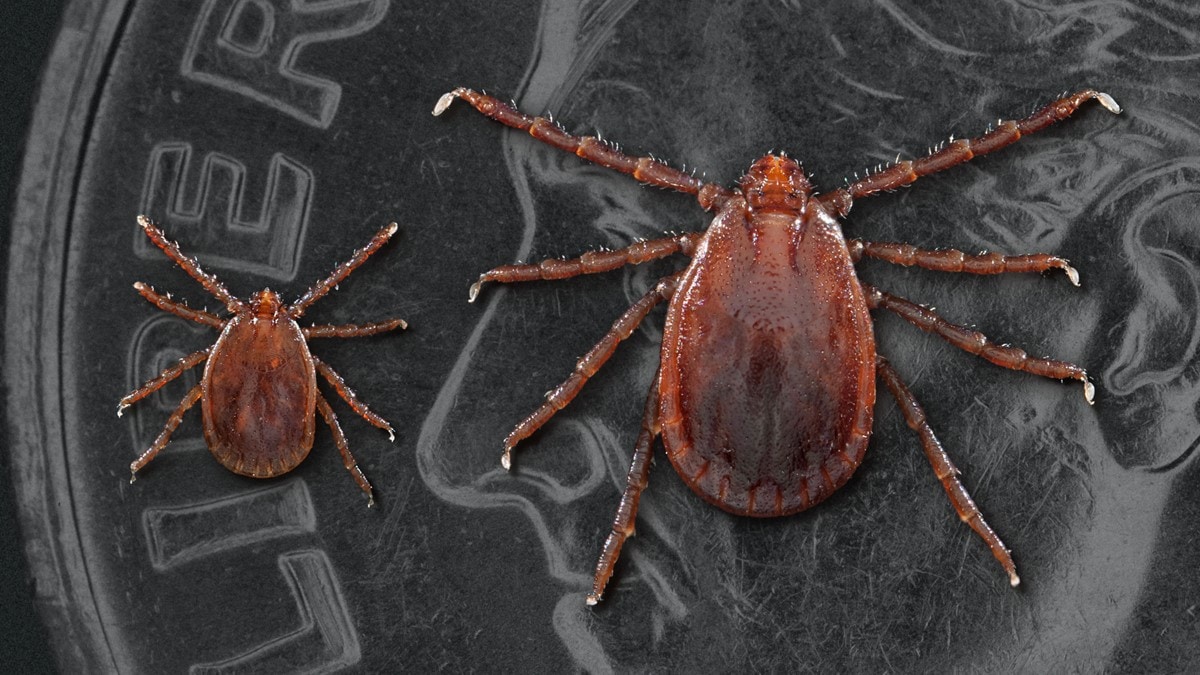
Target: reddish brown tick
[766, 381]
[258, 396]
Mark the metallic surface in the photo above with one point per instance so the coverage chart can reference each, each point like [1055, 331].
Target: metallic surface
[270, 134]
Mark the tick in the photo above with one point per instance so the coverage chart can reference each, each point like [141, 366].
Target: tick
[258, 395]
[765, 390]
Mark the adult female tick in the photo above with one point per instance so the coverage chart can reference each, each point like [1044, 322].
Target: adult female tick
[766, 384]
[258, 396]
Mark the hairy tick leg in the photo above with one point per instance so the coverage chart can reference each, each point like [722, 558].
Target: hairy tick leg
[644, 169]
[351, 399]
[321, 288]
[350, 330]
[164, 436]
[977, 343]
[943, 468]
[189, 265]
[636, 481]
[587, 366]
[958, 151]
[179, 309]
[339, 439]
[167, 375]
[592, 262]
[951, 260]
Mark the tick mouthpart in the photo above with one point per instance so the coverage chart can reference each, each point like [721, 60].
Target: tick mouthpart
[776, 182]
[266, 304]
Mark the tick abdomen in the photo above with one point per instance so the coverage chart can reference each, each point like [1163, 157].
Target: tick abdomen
[260, 394]
[768, 380]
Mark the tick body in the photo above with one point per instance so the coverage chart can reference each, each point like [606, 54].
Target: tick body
[258, 395]
[767, 375]
[765, 391]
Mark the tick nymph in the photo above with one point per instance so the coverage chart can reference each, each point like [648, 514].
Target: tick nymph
[258, 396]
[765, 391]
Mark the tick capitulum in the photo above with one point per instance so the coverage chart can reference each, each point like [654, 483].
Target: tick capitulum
[761, 410]
[258, 395]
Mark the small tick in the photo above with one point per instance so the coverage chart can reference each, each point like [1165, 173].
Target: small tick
[765, 390]
[258, 395]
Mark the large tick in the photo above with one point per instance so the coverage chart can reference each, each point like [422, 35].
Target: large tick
[766, 379]
[258, 396]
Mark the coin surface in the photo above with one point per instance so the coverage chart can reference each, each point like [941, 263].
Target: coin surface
[270, 138]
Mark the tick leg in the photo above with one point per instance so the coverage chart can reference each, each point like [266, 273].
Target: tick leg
[644, 169]
[950, 260]
[623, 523]
[592, 262]
[189, 265]
[587, 366]
[168, 374]
[943, 468]
[348, 396]
[320, 289]
[164, 436]
[977, 343]
[179, 309]
[339, 439]
[958, 151]
[350, 330]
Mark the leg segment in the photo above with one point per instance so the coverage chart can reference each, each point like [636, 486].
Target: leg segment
[958, 151]
[189, 265]
[977, 343]
[348, 396]
[164, 436]
[342, 271]
[189, 361]
[945, 470]
[623, 522]
[339, 439]
[592, 262]
[950, 260]
[350, 330]
[644, 169]
[166, 304]
[587, 366]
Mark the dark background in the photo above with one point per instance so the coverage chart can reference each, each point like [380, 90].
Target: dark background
[30, 27]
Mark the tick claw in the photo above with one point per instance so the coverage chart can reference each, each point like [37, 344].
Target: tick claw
[370, 501]
[391, 435]
[592, 599]
[1089, 391]
[1072, 274]
[444, 102]
[121, 409]
[132, 477]
[1107, 101]
[474, 292]
[1013, 579]
[506, 459]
